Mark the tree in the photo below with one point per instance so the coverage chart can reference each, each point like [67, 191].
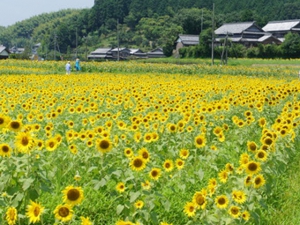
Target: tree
[291, 45]
[191, 19]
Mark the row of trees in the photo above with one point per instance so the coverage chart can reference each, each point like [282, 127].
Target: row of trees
[138, 24]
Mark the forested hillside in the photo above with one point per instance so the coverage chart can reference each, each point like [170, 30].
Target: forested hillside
[140, 24]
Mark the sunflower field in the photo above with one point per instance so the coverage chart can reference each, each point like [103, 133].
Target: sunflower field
[129, 143]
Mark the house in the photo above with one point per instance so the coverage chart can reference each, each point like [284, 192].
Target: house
[280, 28]
[246, 33]
[156, 53]
[16, 50]
[137, 53]
[4, 52]
[101, 53]
[185, 40]
[120, 53]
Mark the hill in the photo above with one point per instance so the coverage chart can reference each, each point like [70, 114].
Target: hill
[140, 24]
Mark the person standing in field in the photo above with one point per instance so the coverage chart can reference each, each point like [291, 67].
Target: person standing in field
[68, 68]
[77, 65]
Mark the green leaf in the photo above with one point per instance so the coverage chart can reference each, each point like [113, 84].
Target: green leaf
[17, 199]
[99, 184]
[33, 194]
[153, 216]
[166, 204]
[27, 183]
[134, 196]
[120, 209]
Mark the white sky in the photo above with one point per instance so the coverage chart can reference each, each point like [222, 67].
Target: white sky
[13, 11]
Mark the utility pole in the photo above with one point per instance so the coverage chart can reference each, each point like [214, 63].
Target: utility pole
[213, 35]
[54, 52]
[118, 39]
[76, 42]
[224, 61]
[202, 21]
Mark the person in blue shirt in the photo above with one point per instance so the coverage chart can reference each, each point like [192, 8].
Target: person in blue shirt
[77, 65]
[68, 68]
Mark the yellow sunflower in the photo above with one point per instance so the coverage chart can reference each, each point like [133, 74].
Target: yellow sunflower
[223, 176]
[4, 121]
[139, 204]
[251, 145]
[190, 209]
[34, 212]
[155, 173]
[120, 187]
[51, 144]
[138, 163]
[15, 125]
[73, 195]
[184, 153]
[259, 181]
[165, 223]
[199, 199]
[147, 137]
[252, 167]
[63, 213]
[221, 201]
[144, 154]
[11, 216]
[104, 145]
[73, 149]
[234, 211]
[261, 155]
[146, 185]
[239, 196]
[200, 141]
[245, 215]
[23, 142]
[168, 165]
[5, 150]
[179, 164]
[128, 152]
[85, 221]
[229, 168]
[248, 181]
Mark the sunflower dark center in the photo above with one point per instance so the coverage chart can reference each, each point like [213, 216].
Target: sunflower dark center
[73, 194]
[234, 211]
[36, 211]
[1, 121]
[145, 155]
[200, 200]
[137, 163]
[257, 181]
[252, 166]
[221, 201]
[25, 141]
[5, 149]
[51, 144]
[154, 173]
[15, 125]
[104, 144]
[63, 212]
[268, 141]
[199, 141]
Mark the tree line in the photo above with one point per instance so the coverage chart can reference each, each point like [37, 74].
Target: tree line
[139, 24]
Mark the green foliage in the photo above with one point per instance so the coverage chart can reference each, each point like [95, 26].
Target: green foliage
[291, 46]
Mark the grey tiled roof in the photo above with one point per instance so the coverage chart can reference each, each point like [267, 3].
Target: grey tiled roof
[2, 48]
[234, 28]
[101, 51]
[188, 39]
[284, 25]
